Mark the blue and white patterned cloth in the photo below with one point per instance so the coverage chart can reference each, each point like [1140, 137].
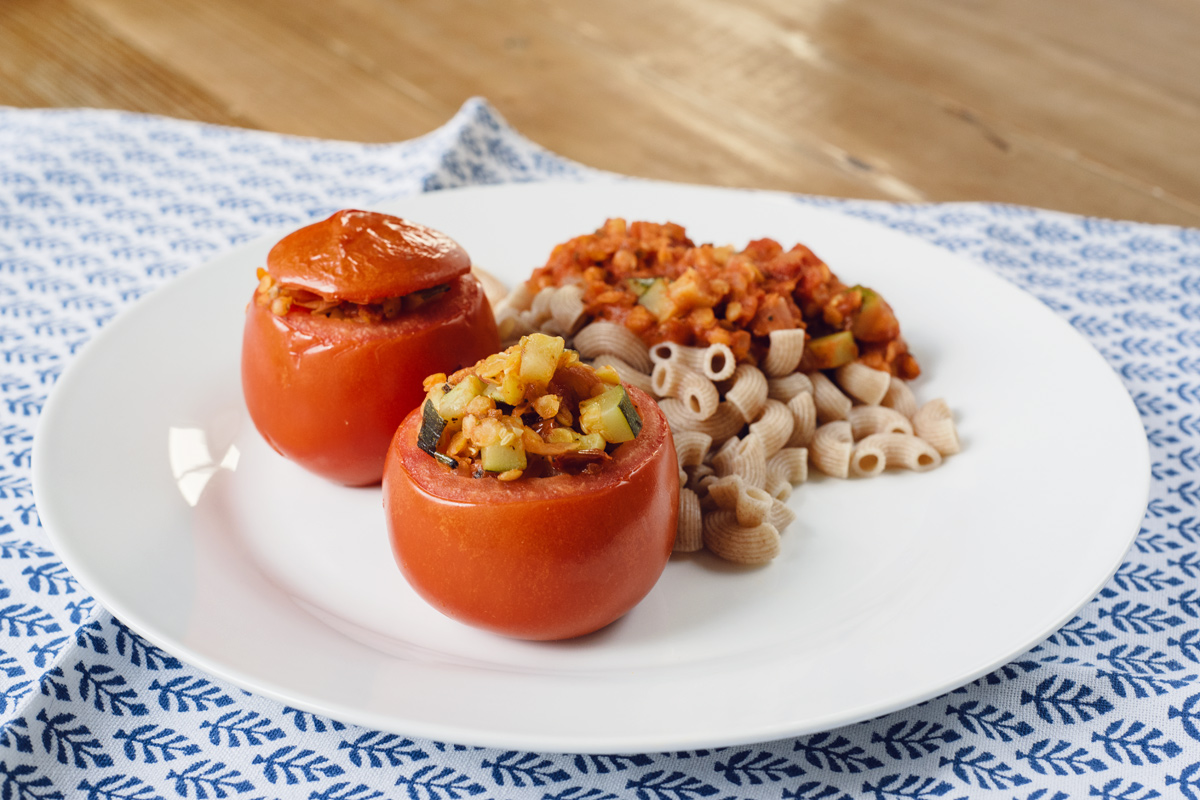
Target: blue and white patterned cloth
[97, 208]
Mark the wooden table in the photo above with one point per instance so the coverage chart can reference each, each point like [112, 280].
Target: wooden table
[1090, 106]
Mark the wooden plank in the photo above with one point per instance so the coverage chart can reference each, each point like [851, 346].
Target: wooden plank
[338, 69]
[54, 53]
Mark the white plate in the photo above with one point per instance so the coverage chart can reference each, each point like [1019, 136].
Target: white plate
[165, 503]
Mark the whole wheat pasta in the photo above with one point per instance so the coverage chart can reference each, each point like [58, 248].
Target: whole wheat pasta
[691, 357]
[831, 403]
[604, 337]
[777, 487]
[863, 383]
[774, 426]
[935, 424]
[671, 379]
[831, 447]
[780, 515]
[727, 421]
[511, 324]
[540, 306]
[691, 447]
[790, 464]
[750, 504]
[783, 355]
[804, 419]
[629, 374]
[697, 474]
[744, 457]
[900, 397]
[730, 541]
[748, 391]
[788, 386]
[866, 420]
[869, 458]
[718, 362]
[566, 307]
[689, 531]
[519, 299]
[904, 451]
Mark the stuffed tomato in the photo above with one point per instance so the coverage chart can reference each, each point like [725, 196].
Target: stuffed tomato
[349, 315]
[532, 495]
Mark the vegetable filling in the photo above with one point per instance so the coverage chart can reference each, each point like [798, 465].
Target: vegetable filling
[532, 410]
[281, 299]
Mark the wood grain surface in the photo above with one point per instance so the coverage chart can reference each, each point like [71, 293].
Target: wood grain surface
[1089, 106]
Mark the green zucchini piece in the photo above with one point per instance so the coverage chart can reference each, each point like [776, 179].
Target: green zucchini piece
[453, 404]
[832, 351]
[656, 300]
[503, 457]
[639, 285]
[430, 434]
[611, 414]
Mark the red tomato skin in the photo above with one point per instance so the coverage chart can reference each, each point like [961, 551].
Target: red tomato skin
[329, 394]
[541, 558]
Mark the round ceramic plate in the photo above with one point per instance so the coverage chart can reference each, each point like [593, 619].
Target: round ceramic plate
[165, 503]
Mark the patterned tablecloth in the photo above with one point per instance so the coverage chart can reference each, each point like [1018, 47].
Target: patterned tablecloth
[97, 208]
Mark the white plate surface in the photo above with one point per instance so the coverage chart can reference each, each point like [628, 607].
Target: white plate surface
[162, 499]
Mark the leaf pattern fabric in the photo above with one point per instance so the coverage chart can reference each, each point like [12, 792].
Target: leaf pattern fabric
[97, 208]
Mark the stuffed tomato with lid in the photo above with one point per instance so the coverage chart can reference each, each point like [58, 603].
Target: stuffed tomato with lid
[348, 317]
[532, 495]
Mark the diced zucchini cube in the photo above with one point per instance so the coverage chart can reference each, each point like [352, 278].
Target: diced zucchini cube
[454, 403]
[655, 299]
[610, 414]
[510, 389]
[503, 457]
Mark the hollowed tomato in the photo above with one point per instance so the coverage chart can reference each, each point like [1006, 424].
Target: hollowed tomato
[329, 393]
[542, 557]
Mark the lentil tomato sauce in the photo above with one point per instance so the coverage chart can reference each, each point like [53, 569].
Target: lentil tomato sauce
[719, 295]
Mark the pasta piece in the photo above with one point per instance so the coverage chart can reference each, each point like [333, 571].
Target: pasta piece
[862, 382]
[790, 464]
[788, 386]
[629, 374]
[935, 424]
[519, 299]
[750, 504]
[566, 307]
[777, 487]
[831, 447]
[540, 307]
[698, 393]
[689, 531]
[748, 393]
[690, 357]
[697, 475]
[603, 337]
[718, 362]
[900, 397]
[691, 447]
[727, 421]
[730, 541]
[869, 458]
[774, 426]
[804, 419]
[511, 324]
[744, 457]
[908, 452]
[783, 356]
[831, 403]
[780, 515]
[866, 420]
